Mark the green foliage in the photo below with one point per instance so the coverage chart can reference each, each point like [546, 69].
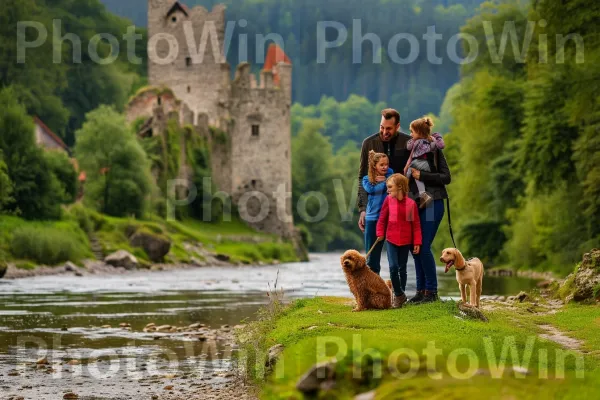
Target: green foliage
[118, 173]
[482, 237]
[61, 166]
[205, 207]
[45, 243]
[36, 191]
[350, 120]
[415, 88]
[6, 186]
[326, 219]
[523, 143]
[61, 92]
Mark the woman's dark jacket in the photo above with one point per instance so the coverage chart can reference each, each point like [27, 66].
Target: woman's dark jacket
[435, 181]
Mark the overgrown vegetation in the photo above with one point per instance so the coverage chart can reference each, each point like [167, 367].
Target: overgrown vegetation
[523, 140]
[117, 168]
[34, 183]
[48, 243]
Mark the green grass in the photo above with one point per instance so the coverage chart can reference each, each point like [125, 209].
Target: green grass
[42, 242]
[208, 232]
[59, 241]
[356, 339]
[233, 238]
[252, 253]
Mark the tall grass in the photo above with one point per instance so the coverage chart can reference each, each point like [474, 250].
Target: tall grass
[49, 244]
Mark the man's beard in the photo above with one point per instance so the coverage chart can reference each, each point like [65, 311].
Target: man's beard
[386, 136]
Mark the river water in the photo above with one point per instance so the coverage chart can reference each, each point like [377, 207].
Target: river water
[66, 318]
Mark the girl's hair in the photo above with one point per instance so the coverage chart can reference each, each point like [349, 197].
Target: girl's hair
[400, 181]
[422, 127]
[374, 158]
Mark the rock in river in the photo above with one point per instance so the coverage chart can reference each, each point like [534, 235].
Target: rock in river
[122, 259]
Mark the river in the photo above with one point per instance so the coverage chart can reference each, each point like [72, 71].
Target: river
[65, 318]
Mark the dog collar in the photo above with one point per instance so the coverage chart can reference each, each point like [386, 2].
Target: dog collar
[460, 269]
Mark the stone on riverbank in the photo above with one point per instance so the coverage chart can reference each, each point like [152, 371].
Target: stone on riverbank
[583, 284]
[122, 259]
[272, 355]
[320, 376]
[471, 312]
[156, 246]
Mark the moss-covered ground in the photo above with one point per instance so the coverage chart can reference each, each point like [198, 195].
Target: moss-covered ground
[387, 351]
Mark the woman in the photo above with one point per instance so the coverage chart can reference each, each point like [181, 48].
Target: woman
[431, 216]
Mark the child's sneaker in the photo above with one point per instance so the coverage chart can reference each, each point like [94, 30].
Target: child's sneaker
[426, 200]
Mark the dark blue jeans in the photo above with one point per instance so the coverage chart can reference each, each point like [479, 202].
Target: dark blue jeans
[397, 257]
[374, 259]
[425, 261]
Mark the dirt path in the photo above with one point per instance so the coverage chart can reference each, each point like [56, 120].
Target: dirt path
[557, 336]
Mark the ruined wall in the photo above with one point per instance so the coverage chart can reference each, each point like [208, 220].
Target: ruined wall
[144, 104]
[247, 121]
[261, 149]
[196, 81]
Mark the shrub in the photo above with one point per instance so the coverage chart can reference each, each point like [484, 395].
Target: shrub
[48, 245]
[62, 168]
[81, 215]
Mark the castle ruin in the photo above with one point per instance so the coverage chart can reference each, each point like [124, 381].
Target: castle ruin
[251, 161]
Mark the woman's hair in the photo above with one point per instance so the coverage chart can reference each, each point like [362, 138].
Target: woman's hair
[374, 158]
[422, 127]
[400, 181]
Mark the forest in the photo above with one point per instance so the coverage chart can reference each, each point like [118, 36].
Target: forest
[521, 133]
[414, 88]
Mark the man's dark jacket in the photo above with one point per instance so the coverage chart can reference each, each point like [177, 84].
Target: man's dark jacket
[435, 180]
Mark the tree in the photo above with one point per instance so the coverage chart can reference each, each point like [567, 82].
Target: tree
[62, 168]
[117, 169]
[36, 192]
[6, 186]
[312, 181]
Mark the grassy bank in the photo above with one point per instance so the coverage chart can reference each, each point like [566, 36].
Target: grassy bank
[29, 243]
[469, 359]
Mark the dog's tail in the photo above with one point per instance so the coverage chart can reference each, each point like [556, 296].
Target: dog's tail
[389, 284]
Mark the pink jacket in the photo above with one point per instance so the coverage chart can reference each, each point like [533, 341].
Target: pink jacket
[399, 222]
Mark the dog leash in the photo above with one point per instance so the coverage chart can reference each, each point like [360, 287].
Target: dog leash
[372, 247]
[450, 222]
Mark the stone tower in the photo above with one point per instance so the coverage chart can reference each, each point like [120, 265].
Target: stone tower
[251, 157]
[175, 34]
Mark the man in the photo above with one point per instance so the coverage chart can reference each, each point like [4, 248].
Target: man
[391, 141]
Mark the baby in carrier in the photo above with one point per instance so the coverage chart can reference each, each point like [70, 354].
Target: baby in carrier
[421, 143]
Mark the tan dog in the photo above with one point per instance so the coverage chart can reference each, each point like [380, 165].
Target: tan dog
[368, 288]
[468, 272]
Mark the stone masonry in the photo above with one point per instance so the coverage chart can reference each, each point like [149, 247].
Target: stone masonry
[249, 118]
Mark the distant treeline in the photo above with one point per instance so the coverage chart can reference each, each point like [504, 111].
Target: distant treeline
[414, 88]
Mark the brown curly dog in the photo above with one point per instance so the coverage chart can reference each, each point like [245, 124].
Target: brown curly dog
[369, 290]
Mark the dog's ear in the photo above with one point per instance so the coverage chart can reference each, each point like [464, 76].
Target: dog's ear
[361, 262]
[459, 260]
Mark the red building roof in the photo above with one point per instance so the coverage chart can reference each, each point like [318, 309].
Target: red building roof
[275, 55]
[49, 132]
